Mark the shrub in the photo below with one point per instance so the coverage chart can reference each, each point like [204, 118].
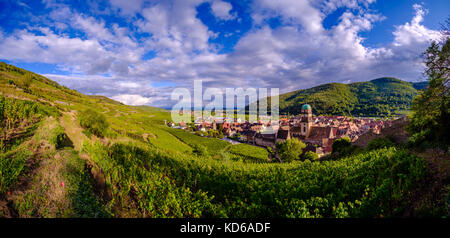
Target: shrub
[341, 145]
[290, 150]
[342, 148]
[380, 143]
[93, 122]
[309, 155]
[11, 166]
[199, 150]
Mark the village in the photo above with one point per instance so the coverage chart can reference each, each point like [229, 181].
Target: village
[317, 132]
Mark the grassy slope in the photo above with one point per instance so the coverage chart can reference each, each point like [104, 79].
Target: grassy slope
[144, 169]
[23, 191]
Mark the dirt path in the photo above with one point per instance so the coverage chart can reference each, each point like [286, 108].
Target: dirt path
[72, 129]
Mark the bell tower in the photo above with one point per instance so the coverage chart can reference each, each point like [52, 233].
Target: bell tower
[306, 120]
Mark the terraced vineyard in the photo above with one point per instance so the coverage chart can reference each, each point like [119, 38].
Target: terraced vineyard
[140, 168]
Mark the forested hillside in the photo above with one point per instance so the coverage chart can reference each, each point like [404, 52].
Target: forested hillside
[65, 154]
[378, 97]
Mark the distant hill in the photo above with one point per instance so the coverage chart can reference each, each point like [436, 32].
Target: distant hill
[378, 97]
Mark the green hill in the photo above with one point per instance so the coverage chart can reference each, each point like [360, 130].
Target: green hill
[65, 154]
[378, 97]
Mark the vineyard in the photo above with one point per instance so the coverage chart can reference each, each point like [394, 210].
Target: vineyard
[132, 165]
[14, 112]
[250, 153]
[213, 145]
[369, 185]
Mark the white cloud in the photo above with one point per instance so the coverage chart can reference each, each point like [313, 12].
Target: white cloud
[331, 5]
[414, 32]
[297, 11]
[298, 54]
[47, 47]
[127, 7]
[222, 10]
[132, 99]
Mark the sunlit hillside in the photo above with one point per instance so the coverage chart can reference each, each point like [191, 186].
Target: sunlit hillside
[65, 154]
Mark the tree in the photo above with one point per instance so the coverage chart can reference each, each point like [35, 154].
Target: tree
[341, 145]
[380, 143]
[290, 150]
[430, 120]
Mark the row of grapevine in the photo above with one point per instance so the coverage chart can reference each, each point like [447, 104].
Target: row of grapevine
[373, 184]
[250, 153]
[143, 191]
[13, 111]
[213, 145]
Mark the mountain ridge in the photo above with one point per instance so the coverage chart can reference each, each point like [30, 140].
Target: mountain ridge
[386, 96]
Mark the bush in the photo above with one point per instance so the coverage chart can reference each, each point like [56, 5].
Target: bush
[341, 145]
[309, 155]
[199, 150]
[93, 122]
[380, 143]
[290, 150]
[342, 148]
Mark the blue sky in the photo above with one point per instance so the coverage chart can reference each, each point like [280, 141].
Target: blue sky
[137, 51]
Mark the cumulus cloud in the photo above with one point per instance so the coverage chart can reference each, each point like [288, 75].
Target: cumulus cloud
[222, 10]
[48, 47]
[127, 7]
[291, 11]
[109, 59]
[414, 32]
[331, 5]
[131, 99]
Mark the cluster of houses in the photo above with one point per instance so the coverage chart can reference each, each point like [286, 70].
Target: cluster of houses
[318, 133]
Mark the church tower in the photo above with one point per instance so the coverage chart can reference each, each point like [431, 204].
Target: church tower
[306, 120]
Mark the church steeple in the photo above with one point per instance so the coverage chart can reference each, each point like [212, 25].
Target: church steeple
[306, 121]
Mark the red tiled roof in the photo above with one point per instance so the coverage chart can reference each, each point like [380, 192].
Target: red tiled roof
[318, 133]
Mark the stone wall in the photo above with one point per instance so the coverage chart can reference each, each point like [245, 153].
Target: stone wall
[265, 143]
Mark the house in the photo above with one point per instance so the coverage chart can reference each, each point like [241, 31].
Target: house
[296, 132]
[320, 135]
[267, 140]
[249, 136]
[283, 134]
